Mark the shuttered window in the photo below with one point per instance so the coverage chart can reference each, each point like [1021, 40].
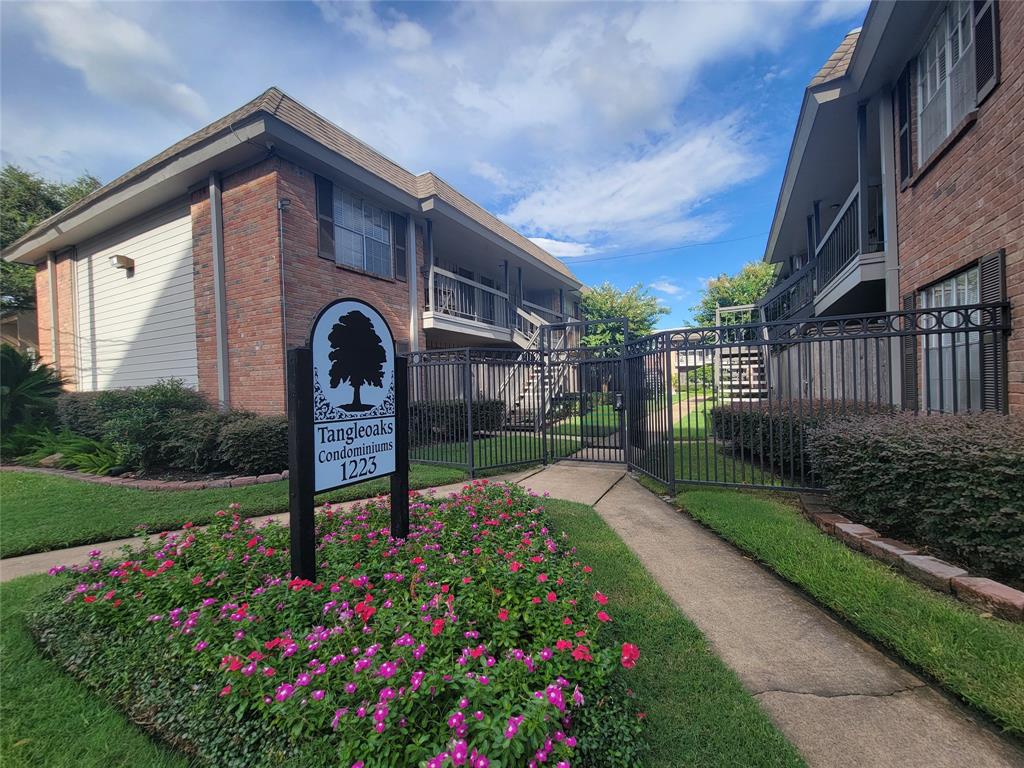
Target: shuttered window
[400, 229]
[986, 35]
[992, 289]
[356, 232]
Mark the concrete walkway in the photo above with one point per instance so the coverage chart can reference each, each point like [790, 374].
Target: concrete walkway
[839, 700]
[41, 562]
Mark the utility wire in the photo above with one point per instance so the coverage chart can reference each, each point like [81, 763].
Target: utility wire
[663, 250]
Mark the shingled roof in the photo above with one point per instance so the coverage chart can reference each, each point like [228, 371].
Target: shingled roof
[280, 105]
[839, 62]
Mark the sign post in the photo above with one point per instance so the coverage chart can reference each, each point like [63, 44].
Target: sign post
[347, 414]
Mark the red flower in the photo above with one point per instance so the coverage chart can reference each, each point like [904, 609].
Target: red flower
[252, 542]
[90, 598]
[437, 627]
[601, 599]
[630, 655]
[502, 615]
[364, 610]
[563, 645]
[602, 616]
[552, 597]
[582, 653]
[225, 690]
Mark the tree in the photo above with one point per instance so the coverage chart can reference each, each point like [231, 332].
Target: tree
[26, 199]
[639, 307]
[747, 286]
[357, 356]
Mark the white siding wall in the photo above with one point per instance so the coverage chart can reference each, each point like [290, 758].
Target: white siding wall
[137, 330]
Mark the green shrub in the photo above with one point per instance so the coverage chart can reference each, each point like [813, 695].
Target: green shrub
[191, 441]
[255, 445]
[952, 483]
[27, 391]
[442, 421]
[776, 431]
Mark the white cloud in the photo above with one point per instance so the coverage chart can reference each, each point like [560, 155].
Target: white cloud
[667, 286]
[563, 249]
[828, 11]
[359, 19]
[493, 174]
[654, 196]
[118, 58]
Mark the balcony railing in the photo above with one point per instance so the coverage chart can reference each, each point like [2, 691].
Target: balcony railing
[461, 297]
[787, 298]
[841, 243]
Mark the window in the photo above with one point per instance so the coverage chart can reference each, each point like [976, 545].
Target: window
[946, 85]
[952, 361]
[355, 232]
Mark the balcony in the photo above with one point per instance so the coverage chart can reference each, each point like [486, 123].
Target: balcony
[463, 306]
[842, 272]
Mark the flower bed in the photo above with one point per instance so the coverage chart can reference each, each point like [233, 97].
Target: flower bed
[476, 642]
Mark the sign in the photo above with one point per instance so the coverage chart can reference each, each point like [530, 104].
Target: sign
[353, 395]
[348, 408]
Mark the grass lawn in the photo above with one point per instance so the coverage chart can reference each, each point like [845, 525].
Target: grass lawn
[42, 512]
[979, 659]
[505, 450]
[698, 713]
[602, 420]
[49, 718]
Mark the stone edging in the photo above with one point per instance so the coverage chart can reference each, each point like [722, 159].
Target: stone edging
[231, 481]
[1001, 600]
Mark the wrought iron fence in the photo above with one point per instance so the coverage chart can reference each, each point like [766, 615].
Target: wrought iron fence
[726, 405]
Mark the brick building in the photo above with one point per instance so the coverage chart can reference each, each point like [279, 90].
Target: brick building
[208, 261]
[904, 190]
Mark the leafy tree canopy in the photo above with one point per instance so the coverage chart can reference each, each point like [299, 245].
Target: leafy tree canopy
[26, 199]
[606, 301]
[747, 286]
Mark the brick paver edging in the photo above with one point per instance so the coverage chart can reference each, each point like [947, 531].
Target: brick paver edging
[941, 576]
[231, 481]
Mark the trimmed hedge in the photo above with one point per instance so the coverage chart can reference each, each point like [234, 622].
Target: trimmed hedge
[444, 421]
[954, 483]
[87, 413]
[255, 445]
[778, 431]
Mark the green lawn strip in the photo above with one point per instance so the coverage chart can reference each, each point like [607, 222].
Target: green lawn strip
[602, 420]
[49, 718]
[506, 450]
[698, 713]
[979, 659]
[43, 512]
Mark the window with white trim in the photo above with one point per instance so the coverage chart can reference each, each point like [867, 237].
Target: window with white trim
[946, 88]
[952, 361]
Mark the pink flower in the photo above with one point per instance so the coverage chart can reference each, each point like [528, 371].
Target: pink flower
[601, 599]
[552, 597]
[225, 690]
[502, 615]
[602, 616]
[582, 653]
[437, 627]
[630, 655]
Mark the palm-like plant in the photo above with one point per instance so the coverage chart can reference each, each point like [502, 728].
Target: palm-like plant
[26, 389]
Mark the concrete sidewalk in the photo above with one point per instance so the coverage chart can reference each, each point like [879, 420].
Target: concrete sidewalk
[839, 700]
[41, 562]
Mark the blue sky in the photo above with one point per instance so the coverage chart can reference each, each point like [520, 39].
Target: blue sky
[639, 142]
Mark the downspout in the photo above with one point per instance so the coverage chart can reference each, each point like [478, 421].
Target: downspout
[219, 291]
[413, 277]
[889, 232]
[51, 275]
[282, 206]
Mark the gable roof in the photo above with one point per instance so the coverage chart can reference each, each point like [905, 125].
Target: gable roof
[281, 106]
[838, 63]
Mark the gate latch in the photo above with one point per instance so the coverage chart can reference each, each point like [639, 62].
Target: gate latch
[618, 401]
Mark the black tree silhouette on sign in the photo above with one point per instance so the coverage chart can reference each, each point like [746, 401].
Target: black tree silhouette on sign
[357, 356]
